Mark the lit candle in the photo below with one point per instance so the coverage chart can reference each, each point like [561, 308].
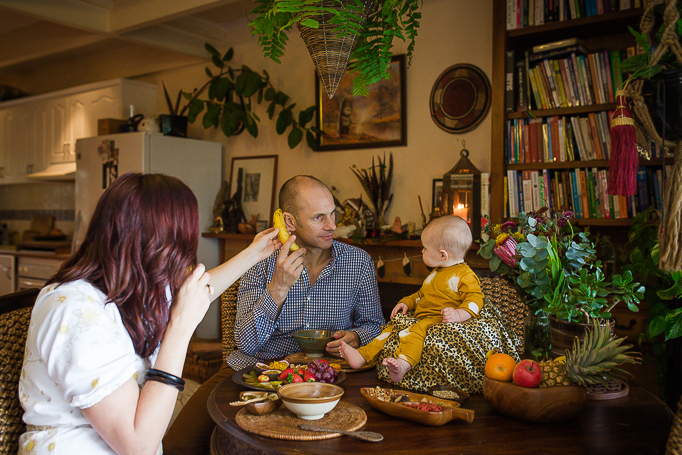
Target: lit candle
[462, 211]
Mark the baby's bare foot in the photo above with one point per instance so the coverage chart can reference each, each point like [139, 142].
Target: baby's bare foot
[354, 358]
[397, 368]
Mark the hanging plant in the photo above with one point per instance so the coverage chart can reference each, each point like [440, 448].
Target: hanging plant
[383, 21]
[231, 94]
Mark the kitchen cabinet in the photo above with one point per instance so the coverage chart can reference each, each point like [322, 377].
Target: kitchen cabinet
[38, 131]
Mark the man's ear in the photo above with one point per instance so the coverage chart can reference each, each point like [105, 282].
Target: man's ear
[443, 255]
[289, 222]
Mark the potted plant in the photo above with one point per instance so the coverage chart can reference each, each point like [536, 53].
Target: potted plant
[663, 296]
[558, 271]
[383, 21]
[230, 96]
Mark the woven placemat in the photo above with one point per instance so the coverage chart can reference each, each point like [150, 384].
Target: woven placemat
[283, 424]
[302, 359]
[614, 389]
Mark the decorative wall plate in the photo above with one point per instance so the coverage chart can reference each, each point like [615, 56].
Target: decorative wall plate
[460, 98]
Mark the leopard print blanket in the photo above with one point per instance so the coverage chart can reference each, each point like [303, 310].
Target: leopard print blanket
[453, 354]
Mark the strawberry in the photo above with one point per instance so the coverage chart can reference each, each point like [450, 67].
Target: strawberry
[295, 378]
[308, 376]
[301, 371]
[323, 361]
[285, 373]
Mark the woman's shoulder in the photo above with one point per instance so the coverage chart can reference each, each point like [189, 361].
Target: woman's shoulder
[66, 296]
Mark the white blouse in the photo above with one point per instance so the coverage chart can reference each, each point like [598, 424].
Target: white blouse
[77, 352]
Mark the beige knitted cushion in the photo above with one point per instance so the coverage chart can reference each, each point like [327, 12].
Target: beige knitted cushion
[228, 314]
[13, 329]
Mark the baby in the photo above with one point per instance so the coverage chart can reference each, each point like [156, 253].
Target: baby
[450, 294]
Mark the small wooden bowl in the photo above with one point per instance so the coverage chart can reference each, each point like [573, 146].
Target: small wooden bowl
[261, 407]
[462, 396]
[548, 404]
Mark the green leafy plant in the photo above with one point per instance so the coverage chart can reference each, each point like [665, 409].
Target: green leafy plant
[663, 289]
[229, 97]
[557, 268]
[388, 19]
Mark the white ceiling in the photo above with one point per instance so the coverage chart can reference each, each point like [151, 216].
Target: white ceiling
[47, 45]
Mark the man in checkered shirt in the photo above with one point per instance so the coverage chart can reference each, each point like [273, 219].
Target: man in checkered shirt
[323, 285]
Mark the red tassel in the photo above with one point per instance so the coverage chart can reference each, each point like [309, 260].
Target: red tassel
[624, 159]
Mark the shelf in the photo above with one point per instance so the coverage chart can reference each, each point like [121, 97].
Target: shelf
[564, 111]
[608, 23]
[580, 164]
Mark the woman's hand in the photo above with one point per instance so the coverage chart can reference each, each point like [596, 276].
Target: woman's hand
[400, 307]
[192, 300]
[265, 243]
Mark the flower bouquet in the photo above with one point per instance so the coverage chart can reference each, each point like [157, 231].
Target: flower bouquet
[557, 269]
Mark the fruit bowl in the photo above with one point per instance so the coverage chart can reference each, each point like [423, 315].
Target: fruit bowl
[310, 400]
[313, 342]
[547, 404]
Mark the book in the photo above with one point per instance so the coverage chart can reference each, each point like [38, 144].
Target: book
[521, 80]
[561, 139]
[527, 185]
[511, 15]
[642, 190]
[522, 197]
[577, 196]
[596, 141]
[534, 89]
[512, 192]
[557, 44]
[537, 190]
[585, 208]
[546, 157]
[575, 81]
[560, 52]
[568, 85]
[606, 198]
[560, 83]
[509, 98]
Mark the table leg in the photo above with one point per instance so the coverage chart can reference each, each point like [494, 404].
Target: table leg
[222, 443]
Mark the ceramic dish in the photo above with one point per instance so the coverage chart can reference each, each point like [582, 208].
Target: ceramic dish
[238, 378]
[310, 400]
[261, 407]
[451, 410]
[462, 396]
[313, 342]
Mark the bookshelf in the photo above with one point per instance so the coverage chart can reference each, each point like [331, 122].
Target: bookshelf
[601, 34]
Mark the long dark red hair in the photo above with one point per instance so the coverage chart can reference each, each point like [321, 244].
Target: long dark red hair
[142, 240]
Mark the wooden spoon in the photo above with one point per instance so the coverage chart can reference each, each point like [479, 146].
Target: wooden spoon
[370, 436]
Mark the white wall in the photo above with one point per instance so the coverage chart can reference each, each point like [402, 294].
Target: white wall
[451, 32]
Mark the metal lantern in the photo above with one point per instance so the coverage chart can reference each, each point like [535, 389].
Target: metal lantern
[461, 194]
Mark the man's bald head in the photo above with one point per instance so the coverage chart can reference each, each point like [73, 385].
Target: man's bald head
[289, 194]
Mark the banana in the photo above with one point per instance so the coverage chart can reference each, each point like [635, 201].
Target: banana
[278, 222]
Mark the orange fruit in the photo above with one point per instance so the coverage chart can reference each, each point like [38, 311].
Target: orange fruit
[500, 367]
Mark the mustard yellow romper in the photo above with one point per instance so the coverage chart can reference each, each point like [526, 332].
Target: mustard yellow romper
[456, 286]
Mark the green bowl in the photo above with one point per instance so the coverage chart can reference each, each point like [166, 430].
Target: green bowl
[313, 342]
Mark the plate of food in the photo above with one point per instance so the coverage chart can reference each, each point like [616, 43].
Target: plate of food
[416, 407]
[261, 377]
[301, 357]
[447, 392]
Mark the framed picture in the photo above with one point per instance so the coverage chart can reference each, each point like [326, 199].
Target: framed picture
[356, 122]
[435, 193]
[256, 176]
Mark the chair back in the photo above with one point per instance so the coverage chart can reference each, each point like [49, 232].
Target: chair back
[228, 314]
[505, 297]
[15, 315]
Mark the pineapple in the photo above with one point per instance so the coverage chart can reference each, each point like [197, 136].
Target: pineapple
[594, 361]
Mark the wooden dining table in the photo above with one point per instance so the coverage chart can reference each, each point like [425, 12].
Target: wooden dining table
[638, 423]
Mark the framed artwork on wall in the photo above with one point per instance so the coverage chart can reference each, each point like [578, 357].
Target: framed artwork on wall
[357, 122]
[256, 176]
[436, 191]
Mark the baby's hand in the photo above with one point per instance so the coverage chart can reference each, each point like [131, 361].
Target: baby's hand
[449, 314]
[400, 307]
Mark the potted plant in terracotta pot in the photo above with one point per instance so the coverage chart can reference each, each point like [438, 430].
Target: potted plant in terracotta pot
[558, 270]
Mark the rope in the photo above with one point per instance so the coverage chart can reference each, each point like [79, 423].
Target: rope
[670, 235]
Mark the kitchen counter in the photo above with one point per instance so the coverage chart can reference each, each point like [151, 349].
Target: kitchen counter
[11, 250]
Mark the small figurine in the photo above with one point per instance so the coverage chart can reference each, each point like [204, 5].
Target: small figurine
[397, 226]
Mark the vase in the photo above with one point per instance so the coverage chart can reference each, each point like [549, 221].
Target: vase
[174, 125]
[562, 333]
[536, 335]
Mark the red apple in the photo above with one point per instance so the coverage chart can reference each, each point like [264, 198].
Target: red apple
[527, 373]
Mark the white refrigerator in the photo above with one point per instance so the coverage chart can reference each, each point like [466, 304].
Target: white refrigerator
[99, 160]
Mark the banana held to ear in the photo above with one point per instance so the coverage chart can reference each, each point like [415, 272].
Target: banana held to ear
[278, 222]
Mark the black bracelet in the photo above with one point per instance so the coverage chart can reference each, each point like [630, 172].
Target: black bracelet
[165, 378]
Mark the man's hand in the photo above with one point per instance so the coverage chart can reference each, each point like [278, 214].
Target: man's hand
[400, 307]
[349, 337]
[288, 269]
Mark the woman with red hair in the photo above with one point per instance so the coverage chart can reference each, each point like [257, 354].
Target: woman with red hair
[109, 332]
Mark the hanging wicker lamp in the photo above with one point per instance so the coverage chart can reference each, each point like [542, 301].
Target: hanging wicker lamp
[330, 53]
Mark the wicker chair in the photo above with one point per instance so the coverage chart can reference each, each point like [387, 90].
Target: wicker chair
[228, 314]
[15, 314]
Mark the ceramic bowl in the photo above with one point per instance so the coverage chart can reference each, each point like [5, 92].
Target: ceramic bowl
[310, 400]
[549, 404]
[445, 390]
[313, 342]
[261, 407]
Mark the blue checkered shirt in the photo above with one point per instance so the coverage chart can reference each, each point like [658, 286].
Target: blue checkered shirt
[344, 297]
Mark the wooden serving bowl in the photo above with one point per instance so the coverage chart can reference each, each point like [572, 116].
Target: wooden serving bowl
[260, 408]
[548, 404]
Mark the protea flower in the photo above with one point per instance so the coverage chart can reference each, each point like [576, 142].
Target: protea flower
[505, 249]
